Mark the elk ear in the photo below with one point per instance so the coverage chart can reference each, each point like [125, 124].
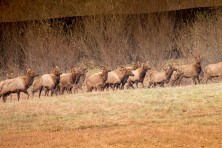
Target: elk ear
[103, 67]
[142, 65]
[133, 62]
[85, 70]
[28, 70]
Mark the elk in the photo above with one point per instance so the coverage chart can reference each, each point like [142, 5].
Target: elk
[161, 77]
[212, 70]
[47, 82]
[17, 85]
[116, 77]
[68, 79]
[80, 83]
[139, 75]
[98, 80]
[189, 71]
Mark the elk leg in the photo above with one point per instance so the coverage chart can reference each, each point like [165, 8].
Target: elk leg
[122, 86]
[18, 95]
[46, 92]
[161, 84]
[33, 93]
[179, 79]
[70, 89]
[136, 84]
[150, 84]
[52, 91]
[40, 91]
[211, 79]
[142, 84]
[63, 89]
[113, 87]
[26, 92]
[194, 81]
[99, 88]
[132, 86]
[106, 87]
[198, 79]
[118, 86]
[4, 97]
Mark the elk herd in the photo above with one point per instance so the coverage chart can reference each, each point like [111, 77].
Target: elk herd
[57, 82]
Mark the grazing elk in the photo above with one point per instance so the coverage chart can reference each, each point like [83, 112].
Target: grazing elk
[212, 70]
[17, 85]
[139, 75]
[69, 79]
[80, 83]
[116, 77]
[97, 81]
[161, 77]
[47, 82]
[189, 71]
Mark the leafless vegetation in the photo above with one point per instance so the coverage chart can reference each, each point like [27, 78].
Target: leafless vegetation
[110, 40]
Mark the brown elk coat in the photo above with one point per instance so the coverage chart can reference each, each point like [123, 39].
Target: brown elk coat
[17, 85]
[189, 71]
[212, 70]
[116, 77]
[81, 81]
[47, 82]
[161, 77]
[97, 81]
[68, 79]
[139, 75]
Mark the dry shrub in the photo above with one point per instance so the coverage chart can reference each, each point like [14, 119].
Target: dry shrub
[203, 37]
[38, 45]
[153, 35]
[110, 40]
[106, 38]
[207, 36]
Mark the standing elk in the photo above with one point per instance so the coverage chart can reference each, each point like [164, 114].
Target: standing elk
[116, 77]
[212, 70]
[97, 81]
[139, 75]
[161, 77]
[17, 85]
[69, 79]
[189, 71]
[80, 83]
[47, 82]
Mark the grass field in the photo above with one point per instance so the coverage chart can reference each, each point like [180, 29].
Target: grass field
[188, 116]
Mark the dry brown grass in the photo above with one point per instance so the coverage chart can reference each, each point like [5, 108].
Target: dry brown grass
[188, 116]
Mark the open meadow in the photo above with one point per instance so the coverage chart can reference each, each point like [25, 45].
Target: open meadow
[186, 116]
